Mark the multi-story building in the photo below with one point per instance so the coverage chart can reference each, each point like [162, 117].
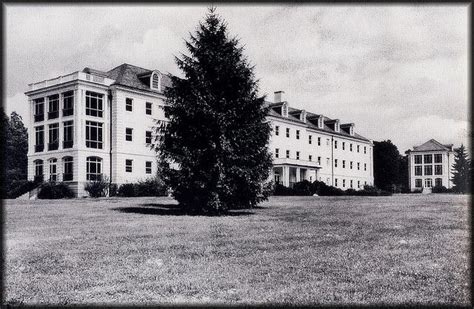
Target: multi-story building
[92, 124]
[309, 146]
[429, 165]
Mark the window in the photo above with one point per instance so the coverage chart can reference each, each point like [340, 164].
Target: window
[428, 159]
[94, 104]
[428, 169]
[128, 134]
[328, 142]
[297, 155]
[287, 132]
[438, 158]
[94, 168]
[68, 141]
[128, 104]
[327, 161]
[438, 182]
[68, 171]
[148, 137]
[343, 145]
[94, 135]
[68, 103]
[277, 152]
[53, 106]
[358, 166]
[350, 147]
[418, 170]
[148, 167]
[39, 109]
[287, 154]
[438, 169]
[297, 134]
[39, 139]
[53, 130]
[310, 141]
[358, 148]
[319, 141]
[335, 144]
[428, 183]
[335, 163]
[148, 108]
[358, 184]
[417, 159]
[310, 158]
[343, 163]
[155, 81]
[319, 160]
[365, 166]
[53, 175]
[350, 165]
[128, 165]
[38, 170]
[335, 182]
[365, 149]
[277, 130]
[418, 183]
[343, 183]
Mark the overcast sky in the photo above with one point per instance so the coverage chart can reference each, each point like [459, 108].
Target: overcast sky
[397, 72]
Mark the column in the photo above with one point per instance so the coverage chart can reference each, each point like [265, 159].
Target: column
[298, 174]
[286, 176]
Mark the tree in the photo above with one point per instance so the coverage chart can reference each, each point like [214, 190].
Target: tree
[386, 165]
[217, 134]
[403, 179]
[461, 171]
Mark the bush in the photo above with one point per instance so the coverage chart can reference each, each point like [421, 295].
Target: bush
[303, 188]
[280, 189]
[97, 188]
[54, 190]
[150, 187]
[372, 191]
[113, 188]
[127, 190]
[441, 189]
[20, 187]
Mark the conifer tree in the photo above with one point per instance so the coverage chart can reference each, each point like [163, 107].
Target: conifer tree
[461, 171]
[214, 150]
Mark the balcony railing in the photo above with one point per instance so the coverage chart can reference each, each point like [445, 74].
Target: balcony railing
[71, 77]
[68, 144]
[39, 148]
[53, 115]
[39, 117]
[68, 112]
[53, 146]
[67, 176]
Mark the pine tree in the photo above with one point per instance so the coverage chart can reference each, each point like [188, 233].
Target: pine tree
[461, 171]
[214, 151]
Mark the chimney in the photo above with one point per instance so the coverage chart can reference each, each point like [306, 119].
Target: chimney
[278, 96]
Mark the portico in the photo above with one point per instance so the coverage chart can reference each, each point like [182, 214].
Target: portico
[288, 171]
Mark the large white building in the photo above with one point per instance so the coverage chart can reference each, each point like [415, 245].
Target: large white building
[308, 146]
[92, 124]
[429, 165]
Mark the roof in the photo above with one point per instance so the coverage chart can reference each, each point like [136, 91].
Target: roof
[432, 145]
[128, 75]
[309, 124]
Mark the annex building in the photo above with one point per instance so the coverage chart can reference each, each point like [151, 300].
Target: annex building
[429, 165]
[92, 124]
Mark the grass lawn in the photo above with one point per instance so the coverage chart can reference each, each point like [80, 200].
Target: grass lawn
[302, 250]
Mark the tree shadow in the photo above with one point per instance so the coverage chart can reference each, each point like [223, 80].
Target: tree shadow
[174, 210]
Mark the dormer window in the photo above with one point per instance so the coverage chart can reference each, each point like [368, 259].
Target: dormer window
[284, 110]
[155, 81]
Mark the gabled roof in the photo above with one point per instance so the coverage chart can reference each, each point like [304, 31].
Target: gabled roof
[432, 145]
[128, 75]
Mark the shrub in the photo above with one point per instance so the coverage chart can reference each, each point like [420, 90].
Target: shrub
[113, 188]
[20, 187]
[372, 191]
[280, 189]
[54, 190]
[150, 187]
[302, 188]
[441, 189]
[97, 188]
[127, 190]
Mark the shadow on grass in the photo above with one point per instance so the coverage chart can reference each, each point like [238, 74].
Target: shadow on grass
[173, 210]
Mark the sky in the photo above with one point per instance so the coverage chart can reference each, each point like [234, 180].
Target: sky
[399, 72]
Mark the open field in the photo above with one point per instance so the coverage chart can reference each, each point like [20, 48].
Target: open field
[302, 250]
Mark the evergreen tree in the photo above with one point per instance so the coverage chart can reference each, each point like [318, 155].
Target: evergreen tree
[461, 171]
[214, 151]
